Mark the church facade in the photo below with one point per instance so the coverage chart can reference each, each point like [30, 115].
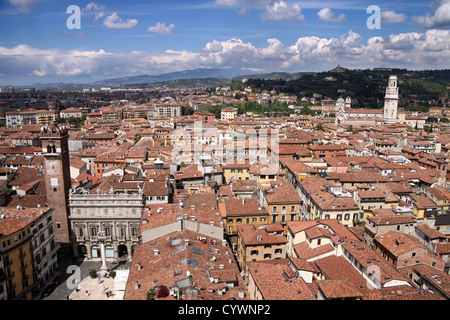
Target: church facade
[346, 115]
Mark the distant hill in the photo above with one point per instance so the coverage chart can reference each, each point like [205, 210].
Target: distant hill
[202, 73]
[366, 87]
[181, 83]
[181, 75]
[274, 76]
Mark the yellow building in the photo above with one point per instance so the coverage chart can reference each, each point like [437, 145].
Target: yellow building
[16, 255]
[440, 196]
[282, 202]
[236, 212]
[423, 207]
[236, 172]
[45, 117]
[257, 244]
[264, 174]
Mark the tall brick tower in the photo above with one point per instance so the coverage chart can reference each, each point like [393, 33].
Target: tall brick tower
[55, 148]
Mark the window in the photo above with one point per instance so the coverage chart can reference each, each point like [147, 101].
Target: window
[254, 252]
[319, 241]
[347, 217]
[274, 210]
[239, 220]
[339, 217]
[283, 209]
[293, 209]
[42, 238]
[94, 231]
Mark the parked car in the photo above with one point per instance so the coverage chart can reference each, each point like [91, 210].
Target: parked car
[48, 291]
[57, 280]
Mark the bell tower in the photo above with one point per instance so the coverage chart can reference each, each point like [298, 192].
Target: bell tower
[55, 148]
[391, 101]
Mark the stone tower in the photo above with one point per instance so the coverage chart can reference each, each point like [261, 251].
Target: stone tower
[441, 173]
[55, 148]
[391, 101]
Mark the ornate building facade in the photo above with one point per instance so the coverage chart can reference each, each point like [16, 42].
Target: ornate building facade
[114, 215]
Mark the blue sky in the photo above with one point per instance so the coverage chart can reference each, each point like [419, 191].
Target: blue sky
[126, 38]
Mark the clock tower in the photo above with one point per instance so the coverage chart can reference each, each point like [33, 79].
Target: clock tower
[391, 101]
[55, 148]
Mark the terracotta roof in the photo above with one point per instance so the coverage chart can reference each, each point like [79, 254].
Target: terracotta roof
[284, 192]
[184, 266]
[244, 207]
[253, 236]
[338, 289]
[275, 280]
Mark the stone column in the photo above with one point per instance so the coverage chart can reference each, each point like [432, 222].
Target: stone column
[103, 255]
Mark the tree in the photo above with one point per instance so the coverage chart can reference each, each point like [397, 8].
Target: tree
[319, 127]
[93, 273]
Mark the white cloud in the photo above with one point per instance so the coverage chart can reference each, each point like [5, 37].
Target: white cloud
[392, 17]
[39, 73]
[326, 15]
[440, 18]
[280, 10]
[24, 6]
[414, 50]
[115, 22]
[94, 9]
[161, 28]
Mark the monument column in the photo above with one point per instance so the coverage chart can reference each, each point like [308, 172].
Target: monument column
[101, 239]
